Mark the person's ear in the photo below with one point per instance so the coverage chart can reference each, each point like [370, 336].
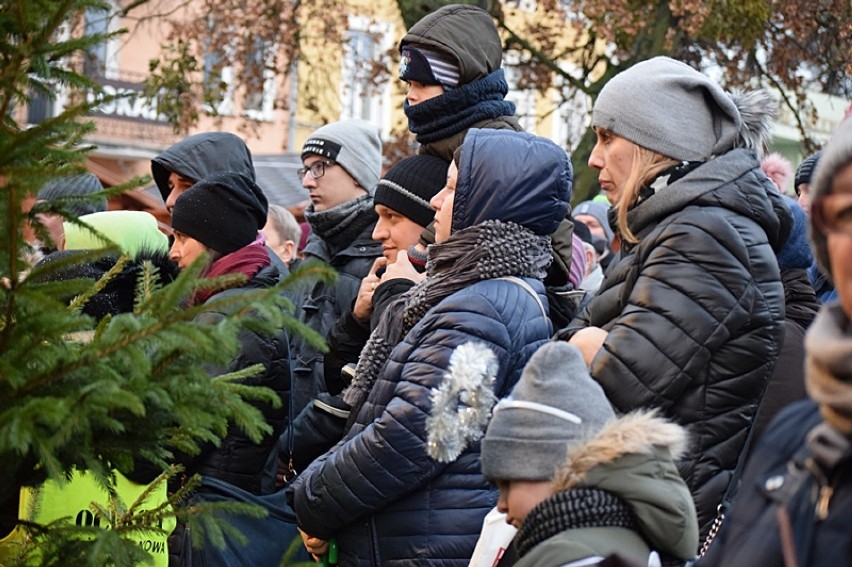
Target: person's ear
[289, 251]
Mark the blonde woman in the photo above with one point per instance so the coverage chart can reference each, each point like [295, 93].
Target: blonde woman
[690, 318]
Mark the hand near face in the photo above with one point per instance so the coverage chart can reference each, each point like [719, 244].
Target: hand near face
[589, 341]
[402, 269]
[364, 302]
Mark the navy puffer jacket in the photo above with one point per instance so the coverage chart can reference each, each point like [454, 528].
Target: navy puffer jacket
[695, 313]
[387, 501]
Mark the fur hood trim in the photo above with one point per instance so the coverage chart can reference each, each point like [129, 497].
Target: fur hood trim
[635, 433]
[757, 111]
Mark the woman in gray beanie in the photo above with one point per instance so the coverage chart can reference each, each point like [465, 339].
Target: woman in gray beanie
[690, 320]
[795, 501]
[381, 491]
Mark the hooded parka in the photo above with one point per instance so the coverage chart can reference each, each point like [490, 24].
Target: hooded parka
[632, 458]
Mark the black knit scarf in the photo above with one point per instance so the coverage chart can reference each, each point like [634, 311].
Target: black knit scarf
[460, 108]
[489, 250]
[339, 226]
[580, 507]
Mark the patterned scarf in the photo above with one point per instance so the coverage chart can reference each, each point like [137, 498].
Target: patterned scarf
[460, 108]
[580, 507]
[666, 178]
[828, 371]
[489, 250]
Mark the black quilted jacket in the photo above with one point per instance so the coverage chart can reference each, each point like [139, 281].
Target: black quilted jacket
[695, 313]
[238, 460]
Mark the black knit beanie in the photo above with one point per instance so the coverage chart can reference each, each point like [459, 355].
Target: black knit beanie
[224, 212]
[806, 170]
[408, 186]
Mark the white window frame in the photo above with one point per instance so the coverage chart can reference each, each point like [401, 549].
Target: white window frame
[379, 100]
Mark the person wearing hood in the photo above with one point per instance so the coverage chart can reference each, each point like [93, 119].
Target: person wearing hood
[387, 498]
[221, 216]
[579, 483]
[452, 60]
[135, 233]
[197, 157]
[690, 319]
[795, 502]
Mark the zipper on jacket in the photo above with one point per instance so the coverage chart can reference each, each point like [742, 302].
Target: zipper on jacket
[825, 492]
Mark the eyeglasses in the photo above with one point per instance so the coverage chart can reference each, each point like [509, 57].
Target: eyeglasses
[833, 213]
[317, 169]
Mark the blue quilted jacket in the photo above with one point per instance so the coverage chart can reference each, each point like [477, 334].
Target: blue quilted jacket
[378, 491]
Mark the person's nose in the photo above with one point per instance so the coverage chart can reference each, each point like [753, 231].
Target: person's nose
[436, 201]
[596, 160]
[380, 232]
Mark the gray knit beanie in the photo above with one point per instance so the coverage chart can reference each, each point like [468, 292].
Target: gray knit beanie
[82, 185]
[599, 211]
[354, 144]
[669, 107]
[554, 403]
[836, 154]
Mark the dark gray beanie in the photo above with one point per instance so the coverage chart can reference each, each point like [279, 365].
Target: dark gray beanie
[555, 402]
[75, 186]
[354, 144]
[836, 154]
[806, 170]
[669, 107]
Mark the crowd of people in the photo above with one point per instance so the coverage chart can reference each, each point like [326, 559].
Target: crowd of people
[656, 377]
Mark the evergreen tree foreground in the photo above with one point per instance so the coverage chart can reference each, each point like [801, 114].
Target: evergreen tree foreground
[81, 395]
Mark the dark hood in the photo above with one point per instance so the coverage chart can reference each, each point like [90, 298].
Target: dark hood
[732, 181]
[512, 176]
[466, 33]
[201, 155]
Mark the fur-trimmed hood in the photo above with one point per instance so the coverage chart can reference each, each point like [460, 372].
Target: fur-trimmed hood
[633, 457]
[638, 432]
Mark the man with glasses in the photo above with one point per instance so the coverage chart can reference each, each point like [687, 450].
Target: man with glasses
[341, 167]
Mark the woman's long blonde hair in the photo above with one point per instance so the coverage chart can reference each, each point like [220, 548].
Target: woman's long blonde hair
[647, 165]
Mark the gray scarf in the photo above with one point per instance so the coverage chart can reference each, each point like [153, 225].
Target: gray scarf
[491, 249]
[341, 225]
[828, 372]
